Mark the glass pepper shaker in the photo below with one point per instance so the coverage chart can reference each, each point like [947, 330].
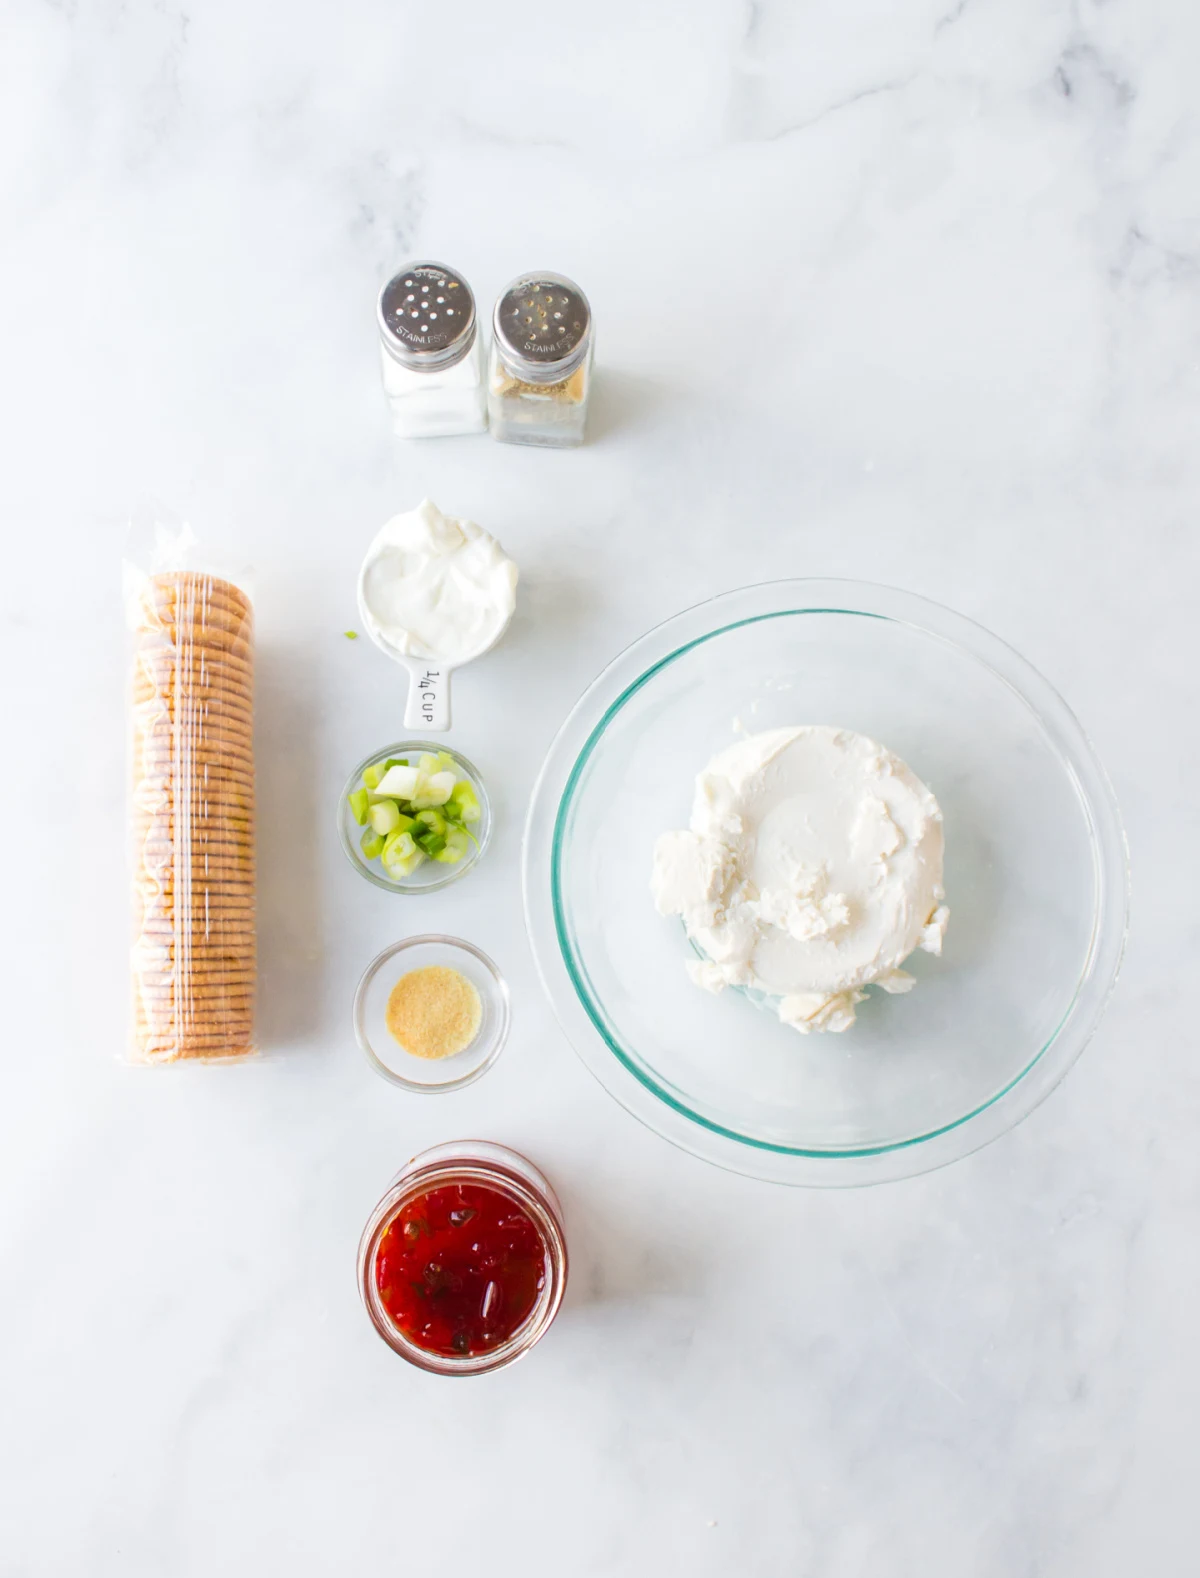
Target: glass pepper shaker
[431, 353]
[540, 369]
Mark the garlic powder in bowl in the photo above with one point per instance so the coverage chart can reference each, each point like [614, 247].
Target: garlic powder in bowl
[431, 1013]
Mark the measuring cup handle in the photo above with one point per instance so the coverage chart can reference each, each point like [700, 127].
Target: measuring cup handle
[428, 698]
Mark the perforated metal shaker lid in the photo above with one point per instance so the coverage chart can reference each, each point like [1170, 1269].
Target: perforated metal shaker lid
[427, 316]
[542, 324]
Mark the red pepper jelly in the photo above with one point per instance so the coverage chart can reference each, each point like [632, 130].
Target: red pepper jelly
[459, 1269]
[463, 1263]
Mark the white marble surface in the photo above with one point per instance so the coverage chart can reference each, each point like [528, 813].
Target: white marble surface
[960, 247]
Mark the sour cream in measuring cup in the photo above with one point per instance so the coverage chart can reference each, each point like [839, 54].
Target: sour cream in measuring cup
[433, 593]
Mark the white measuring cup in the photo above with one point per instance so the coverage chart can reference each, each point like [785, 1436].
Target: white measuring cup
[428, 705]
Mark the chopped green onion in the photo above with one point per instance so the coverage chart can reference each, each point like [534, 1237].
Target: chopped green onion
[401, 856]
[399, 845]
[385, 816]
[433, 824]
[400, 783]
[435, 790]
[464, 797]
[455, 848]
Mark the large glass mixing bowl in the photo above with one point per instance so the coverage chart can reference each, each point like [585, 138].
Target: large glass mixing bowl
[1036, 881]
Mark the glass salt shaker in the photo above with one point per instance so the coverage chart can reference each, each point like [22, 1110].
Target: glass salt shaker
[431, 353]
[540, 369]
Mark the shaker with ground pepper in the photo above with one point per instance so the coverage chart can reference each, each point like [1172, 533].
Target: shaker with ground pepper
[540, 370]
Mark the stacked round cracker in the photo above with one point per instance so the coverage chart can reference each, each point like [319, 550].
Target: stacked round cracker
[193, 820]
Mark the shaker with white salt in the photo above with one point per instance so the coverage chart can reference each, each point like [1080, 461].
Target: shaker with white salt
[431, 353]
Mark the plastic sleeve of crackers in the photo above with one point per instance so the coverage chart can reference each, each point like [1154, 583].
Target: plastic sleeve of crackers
[192, 819]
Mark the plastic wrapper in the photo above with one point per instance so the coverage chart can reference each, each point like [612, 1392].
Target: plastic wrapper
[192, 814]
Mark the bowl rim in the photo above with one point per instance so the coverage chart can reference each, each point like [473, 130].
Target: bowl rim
[581, 1016]
[451, 945]
[453, 873]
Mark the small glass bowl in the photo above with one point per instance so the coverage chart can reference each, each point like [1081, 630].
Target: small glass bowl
[494, 1167]
[385, 1054]
[429, 875]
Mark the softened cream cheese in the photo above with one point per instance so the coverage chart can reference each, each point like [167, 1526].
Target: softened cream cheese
[811, 869]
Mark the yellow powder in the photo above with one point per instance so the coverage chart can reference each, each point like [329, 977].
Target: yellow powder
[569, 392]
[434, 1012]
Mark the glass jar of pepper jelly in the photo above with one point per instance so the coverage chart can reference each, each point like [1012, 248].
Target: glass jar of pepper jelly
[463, 1263]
